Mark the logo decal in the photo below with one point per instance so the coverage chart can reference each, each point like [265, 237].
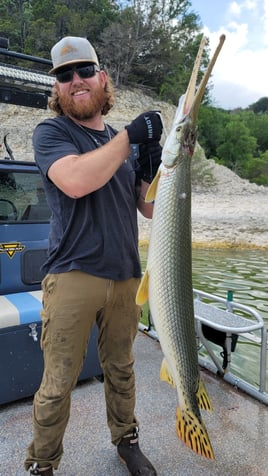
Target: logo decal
[11, 248]
[67, 50]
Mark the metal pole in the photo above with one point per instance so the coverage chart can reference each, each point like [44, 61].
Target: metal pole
[35, 59]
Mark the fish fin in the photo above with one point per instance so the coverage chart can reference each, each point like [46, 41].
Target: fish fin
[165, 374]
[191, 430]
[143, 290]
[151, 192]
[203, 399]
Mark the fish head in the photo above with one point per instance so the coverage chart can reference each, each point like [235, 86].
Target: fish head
[181, 141]
[182, 136]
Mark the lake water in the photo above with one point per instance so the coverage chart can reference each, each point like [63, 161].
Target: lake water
[245, 273]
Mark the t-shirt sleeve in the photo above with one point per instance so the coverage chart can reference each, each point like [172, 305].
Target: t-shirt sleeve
[51, 142]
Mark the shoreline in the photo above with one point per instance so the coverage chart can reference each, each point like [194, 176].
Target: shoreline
[230, 212]
[232, 221]
[216, 245]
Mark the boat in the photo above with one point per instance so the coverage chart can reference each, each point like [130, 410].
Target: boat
[237, 427]
[222, 322]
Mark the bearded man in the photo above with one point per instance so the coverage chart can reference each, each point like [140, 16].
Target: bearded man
[94, 188]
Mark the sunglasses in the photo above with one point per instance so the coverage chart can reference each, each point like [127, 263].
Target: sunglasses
[84, 72]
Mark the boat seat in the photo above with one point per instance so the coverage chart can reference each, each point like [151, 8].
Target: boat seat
[224, 320]
[20, 308]
[232, 319]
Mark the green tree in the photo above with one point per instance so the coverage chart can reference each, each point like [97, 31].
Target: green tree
[121, 44]
[260, 106]
[258, 126]
[211, 126]
[256, 169]
[148, 43]
[15, 16]
[152, 38]
[238, 146]
[65, 17]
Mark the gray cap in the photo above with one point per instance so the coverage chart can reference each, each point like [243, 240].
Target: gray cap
[72, 49]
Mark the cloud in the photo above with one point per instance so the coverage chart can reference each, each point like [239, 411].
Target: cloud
[265, 21]
[240, 75]
[235, 9]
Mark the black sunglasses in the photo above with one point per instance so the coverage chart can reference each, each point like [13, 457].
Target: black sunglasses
[84, 72]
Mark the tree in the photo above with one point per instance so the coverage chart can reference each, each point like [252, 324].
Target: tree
[53, 19]
[121, 44]
[256, 169]
[15, 16]
[211, 126]
[260, 106]
[147, 43]
[258, 126]
[153, 43]
[238, 146]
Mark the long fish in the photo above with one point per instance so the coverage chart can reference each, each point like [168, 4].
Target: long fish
[167, 282]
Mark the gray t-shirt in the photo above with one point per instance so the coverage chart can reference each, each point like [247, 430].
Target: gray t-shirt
[98, 233]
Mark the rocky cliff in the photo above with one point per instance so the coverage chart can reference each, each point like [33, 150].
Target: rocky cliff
[228, 211]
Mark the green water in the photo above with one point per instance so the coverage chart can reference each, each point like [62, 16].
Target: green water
[245, 272]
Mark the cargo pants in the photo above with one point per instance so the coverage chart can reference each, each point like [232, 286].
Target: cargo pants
[72, 303]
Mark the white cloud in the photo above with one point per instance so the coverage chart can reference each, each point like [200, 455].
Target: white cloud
[265, 21]
[240, 75]
[235, 9]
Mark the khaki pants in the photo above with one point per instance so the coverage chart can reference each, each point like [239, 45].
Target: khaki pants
[72, 303]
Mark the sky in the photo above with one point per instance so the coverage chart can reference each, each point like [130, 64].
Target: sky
[240, 75]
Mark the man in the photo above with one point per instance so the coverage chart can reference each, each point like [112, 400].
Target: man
[93, 188]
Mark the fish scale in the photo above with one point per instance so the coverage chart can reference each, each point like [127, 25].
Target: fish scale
[170, 260]
[167, 282]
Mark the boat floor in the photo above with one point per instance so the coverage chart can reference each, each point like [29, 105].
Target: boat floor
[238, 428]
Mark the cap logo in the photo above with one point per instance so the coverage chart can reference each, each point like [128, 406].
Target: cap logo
[67, 49]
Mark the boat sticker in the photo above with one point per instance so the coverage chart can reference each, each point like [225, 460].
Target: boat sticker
[11, 248]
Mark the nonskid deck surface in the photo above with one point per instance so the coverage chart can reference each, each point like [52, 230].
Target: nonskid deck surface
[238, 428]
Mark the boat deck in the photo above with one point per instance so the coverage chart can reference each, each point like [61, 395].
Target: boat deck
[238, 428]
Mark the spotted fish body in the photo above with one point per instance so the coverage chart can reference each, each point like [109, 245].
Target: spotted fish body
[167, 282]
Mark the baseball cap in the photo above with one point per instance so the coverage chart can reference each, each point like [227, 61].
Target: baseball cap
[72, 49]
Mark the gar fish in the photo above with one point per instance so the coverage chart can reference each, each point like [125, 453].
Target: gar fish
[167, 282]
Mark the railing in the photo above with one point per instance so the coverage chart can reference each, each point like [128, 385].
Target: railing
[21, 76]
[228, 320]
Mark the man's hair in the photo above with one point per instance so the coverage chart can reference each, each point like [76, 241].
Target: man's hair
[55, 106]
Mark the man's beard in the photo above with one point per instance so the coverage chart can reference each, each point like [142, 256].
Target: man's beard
[85, 111]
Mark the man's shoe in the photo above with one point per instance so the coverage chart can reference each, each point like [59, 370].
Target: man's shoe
[130, 453]
[35, 470]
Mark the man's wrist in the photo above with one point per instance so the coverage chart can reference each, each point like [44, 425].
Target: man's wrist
[134, 152]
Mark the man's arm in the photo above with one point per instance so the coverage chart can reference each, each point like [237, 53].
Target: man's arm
[145, 208]
[78, 175]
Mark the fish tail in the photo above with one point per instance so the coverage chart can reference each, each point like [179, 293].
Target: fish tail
[191, 430]
[202, 397]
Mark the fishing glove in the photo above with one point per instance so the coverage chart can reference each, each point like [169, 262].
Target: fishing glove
[147, 127]
[148, 161]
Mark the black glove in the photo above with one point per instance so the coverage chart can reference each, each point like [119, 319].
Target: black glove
[145, 128]
[148, 161]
